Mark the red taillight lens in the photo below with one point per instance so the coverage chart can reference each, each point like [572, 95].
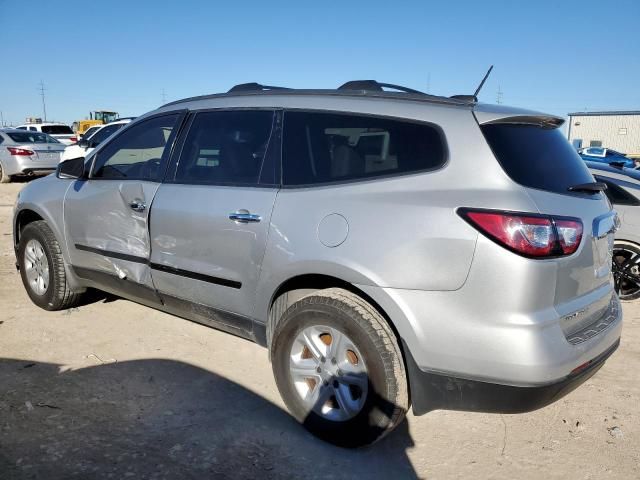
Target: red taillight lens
[19, 151]
[73, 139]
[569, 235]
[528, 235]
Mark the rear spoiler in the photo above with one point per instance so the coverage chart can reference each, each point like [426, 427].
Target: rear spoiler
[492, 114]
[539, 121]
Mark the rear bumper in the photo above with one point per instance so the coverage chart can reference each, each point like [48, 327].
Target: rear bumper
[431, 391]
[26, 166]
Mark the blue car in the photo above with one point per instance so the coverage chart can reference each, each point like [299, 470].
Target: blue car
[606, 155]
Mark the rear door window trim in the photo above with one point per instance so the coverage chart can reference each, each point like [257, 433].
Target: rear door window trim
[272, 150]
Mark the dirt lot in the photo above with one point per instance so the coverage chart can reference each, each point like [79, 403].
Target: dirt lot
[117, 390]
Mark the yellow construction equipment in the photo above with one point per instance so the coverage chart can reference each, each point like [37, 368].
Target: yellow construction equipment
[96, 117]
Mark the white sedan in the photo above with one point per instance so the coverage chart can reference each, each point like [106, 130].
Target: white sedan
[88, 144]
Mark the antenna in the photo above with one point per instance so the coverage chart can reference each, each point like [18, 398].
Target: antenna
[44, 105]
[499, 96]
[482, 82]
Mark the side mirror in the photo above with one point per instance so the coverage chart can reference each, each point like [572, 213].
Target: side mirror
[83, 142]
[72, 168]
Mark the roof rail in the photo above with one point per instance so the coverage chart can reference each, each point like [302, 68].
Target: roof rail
[466, 98]
[253, 86]
[375, 86]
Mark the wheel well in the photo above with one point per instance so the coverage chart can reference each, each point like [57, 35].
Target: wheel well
[295, 288]
[25, 217]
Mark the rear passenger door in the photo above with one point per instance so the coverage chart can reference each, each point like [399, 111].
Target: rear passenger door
[210, 218]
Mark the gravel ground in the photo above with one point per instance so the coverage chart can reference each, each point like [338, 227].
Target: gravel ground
[116, 390]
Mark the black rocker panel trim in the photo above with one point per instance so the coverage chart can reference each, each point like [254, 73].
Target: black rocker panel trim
[162, 268]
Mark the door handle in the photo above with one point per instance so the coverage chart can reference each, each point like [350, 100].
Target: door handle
[244, 216]
[138, 205]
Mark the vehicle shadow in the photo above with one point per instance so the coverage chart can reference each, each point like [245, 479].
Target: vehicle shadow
[158, 418]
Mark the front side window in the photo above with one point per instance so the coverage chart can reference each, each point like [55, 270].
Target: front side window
[101, 135]
[224, 148]
[330, 147]
[139, 152]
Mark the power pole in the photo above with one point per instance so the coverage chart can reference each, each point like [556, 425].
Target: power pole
[499, 96]
[1, 119]
[44, 105]
[164, 97]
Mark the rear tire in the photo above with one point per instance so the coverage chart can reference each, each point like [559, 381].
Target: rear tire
[339, 368]
[42, 268]
[4, 178]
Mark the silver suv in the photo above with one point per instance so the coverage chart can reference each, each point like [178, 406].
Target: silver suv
[389, 248]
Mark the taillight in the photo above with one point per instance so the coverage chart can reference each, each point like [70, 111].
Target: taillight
[73, 139]
[537, 236]
[19, 151]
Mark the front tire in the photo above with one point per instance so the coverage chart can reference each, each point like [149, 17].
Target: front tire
[626, 270]
[339, 368]
[42, 268]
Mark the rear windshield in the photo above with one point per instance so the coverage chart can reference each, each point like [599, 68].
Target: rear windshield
[57, 130]
[31, 137]
[537, 157]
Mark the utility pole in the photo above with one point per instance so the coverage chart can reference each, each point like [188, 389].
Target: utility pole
[499, 96]
[164, 97]
[44, 105]
[1, 119]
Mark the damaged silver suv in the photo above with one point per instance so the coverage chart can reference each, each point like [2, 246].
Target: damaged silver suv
[391, 249]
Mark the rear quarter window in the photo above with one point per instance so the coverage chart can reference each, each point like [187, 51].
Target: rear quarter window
[320, 148]
[537, 157]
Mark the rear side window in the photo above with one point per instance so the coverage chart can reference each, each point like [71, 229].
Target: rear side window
[31, 137]
[617, 195]
[537, 157]
[57, 130]
[330, 147]
[225, 148]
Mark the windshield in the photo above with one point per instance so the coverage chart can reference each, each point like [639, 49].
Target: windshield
[57, 130]
[537, 157]
[31, 137]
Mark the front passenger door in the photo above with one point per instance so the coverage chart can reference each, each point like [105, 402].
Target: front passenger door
[106, 216]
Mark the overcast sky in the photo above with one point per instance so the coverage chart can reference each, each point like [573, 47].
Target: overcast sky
[555, 56]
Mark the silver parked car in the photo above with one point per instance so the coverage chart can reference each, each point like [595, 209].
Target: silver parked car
[623, 190]
[391, 249]
[27, 153]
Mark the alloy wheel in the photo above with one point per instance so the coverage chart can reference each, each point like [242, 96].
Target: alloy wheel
[329, 373]
[36, 265]
[626, 271]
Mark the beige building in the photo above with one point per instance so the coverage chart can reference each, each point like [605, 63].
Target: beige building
[617, 130]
